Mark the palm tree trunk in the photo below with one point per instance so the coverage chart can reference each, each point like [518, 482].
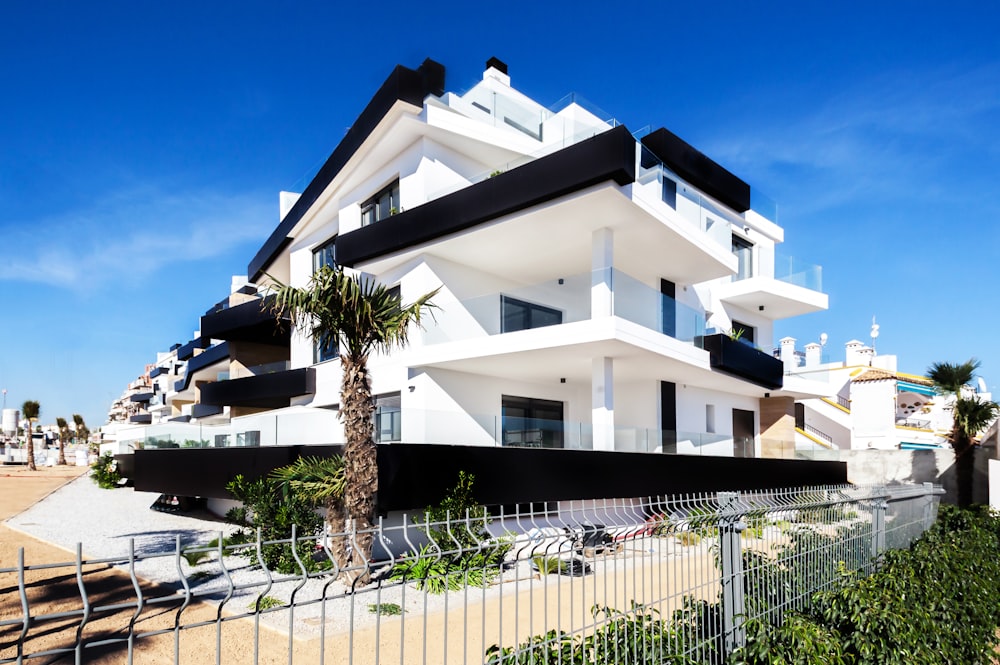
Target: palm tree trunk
[360, 463]
[62, 449]
[965, 468]
[31, 448]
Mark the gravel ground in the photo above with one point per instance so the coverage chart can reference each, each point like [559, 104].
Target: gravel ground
[107, 522]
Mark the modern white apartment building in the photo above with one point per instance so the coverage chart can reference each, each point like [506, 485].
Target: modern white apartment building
[599, 290]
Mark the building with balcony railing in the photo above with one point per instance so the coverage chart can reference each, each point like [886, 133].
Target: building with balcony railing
[599, 289]
[870, 404]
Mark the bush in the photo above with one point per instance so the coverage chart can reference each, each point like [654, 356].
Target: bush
[274, 512]
[104, 472]
[462, 556]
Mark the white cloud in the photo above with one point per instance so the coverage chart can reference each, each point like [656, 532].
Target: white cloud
[898, 136]
[129, 236]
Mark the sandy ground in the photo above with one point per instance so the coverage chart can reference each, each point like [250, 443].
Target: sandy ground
[460, 632]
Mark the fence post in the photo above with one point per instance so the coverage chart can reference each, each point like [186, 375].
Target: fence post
[731, 559]
[928, 505]
[880, 504]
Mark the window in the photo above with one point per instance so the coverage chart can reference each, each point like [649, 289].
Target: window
[325, 347]
[743, 249]
[532, 423]
[388, 418]
[325, 254]
[250, 439]
[710, 418]
[520, 315]
[670, 193]
[747, 334]
[381, 206]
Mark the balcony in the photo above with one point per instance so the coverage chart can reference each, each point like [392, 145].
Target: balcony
[559, 301]
[742, 360]
[265, 390]
[157, 371]
[205, 410]
[142, 398]
[250, 321]
[217, 353]
[141, 419]
[790, 289]
[187, 351]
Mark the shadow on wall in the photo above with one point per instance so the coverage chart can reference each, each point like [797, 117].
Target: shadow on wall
[897, 467]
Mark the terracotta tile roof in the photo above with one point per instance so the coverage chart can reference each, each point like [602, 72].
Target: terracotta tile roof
[876, 374]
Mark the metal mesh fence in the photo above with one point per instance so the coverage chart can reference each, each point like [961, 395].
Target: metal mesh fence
[645, 580]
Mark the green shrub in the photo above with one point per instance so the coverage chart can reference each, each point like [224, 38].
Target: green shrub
[274, 512]
[104, 472]
[462, 556]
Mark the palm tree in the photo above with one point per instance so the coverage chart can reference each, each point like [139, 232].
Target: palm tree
[30, 410]
[971, 416]
[356, 316]
[63, 433]
[80, 428]
[951, 378]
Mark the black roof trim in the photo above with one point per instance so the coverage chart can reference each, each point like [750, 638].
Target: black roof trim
[698, 169]
[407, 85]
[607, 156]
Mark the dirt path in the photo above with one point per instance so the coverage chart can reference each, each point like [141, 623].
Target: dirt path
[55, 590]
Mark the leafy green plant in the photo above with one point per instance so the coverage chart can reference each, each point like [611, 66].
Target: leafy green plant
[386, 609]
[462, 552]
[495, 173]
[104, 472]
[274, 511]
[265, 603]
[546, 565]
[199, 554]
[636, 636]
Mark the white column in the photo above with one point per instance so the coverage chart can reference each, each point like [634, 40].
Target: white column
[602, 256]
[602, 390]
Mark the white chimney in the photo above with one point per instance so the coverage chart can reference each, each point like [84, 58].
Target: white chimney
[814, 354]
[788, 353]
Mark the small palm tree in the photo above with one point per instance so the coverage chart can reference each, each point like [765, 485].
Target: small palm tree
[358, 316]
[63, 435]
[80, 428]
[971, 416]
[30, 410]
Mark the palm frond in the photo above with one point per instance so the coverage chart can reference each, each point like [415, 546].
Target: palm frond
[950, 377]
[315, 479]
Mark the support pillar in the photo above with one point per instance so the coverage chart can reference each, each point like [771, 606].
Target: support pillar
[602, 389]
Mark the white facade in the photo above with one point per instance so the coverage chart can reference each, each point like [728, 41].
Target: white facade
[605, 371]
[871, 405]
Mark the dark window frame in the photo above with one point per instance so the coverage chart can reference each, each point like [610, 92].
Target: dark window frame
[542, 433]
[376, 208]
[530, 308]
[325, 254]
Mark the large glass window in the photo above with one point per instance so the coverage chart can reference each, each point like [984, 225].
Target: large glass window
[388, 418]
[325, 254]
[520, 315]
[532, 423]
[743, 249]
[381, 206]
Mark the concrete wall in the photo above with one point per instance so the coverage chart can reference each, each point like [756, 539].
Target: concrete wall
[896, 467]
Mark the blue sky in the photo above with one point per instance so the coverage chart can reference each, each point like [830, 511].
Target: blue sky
[142, 149]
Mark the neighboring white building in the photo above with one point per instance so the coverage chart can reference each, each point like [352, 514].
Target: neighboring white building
[589, 281]
[871, 405]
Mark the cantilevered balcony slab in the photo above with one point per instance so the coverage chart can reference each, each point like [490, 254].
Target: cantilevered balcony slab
[566, 351]
[251, 321]
[141, 419]
[272, 390]
[773, 298]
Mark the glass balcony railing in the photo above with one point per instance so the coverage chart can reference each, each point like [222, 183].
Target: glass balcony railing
[436, 427]
[662, 189]
[791, 270]
[563, 300]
